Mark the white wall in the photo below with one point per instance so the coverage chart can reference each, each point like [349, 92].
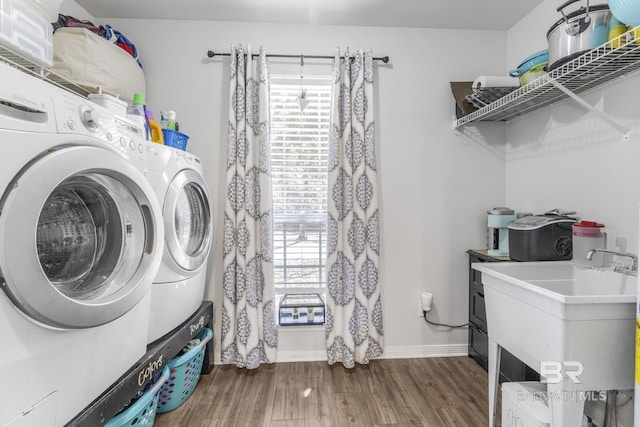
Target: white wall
[435, 186]
[565, 157]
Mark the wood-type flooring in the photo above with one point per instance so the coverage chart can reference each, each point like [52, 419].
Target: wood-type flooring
[439, 392]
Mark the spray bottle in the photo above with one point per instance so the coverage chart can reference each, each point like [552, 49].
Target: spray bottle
[171, 120]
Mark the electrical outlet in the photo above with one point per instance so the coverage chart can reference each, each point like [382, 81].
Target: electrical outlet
[420, 312]
[426, 300]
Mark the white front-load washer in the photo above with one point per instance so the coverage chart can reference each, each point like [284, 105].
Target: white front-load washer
[80, 241]
[178, 289]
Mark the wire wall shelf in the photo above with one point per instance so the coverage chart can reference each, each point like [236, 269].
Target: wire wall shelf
[618, 57]
[27, 66]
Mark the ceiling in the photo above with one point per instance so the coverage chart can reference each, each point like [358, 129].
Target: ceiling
[460, 14]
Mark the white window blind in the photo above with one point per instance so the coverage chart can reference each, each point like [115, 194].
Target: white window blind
[299, 150]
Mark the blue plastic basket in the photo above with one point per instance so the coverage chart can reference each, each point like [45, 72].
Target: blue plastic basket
[143, 411]
[175, 139]
[184, 375]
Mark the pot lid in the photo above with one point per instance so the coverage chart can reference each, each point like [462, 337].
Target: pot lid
[560, 212]
[501, 211]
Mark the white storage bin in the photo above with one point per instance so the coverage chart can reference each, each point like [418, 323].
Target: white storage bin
[50, 8]
[523, 405]
[111, 103]
[26, 30]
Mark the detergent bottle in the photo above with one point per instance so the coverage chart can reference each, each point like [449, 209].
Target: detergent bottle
[156, 130]
[137, 113]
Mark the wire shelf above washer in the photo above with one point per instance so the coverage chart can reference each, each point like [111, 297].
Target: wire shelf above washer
[25, 65]
[588, 71]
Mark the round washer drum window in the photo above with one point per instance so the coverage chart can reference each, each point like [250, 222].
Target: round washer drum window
[88, 236]
[191, 219]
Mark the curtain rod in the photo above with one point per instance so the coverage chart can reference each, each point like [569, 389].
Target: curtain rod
[211, 54]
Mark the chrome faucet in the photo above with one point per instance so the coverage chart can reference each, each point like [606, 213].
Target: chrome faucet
[631, 270]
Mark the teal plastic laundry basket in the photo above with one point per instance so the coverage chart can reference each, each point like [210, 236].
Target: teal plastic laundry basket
[184, 374]
[143, 411]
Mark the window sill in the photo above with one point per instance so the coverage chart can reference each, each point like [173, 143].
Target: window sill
[300, 328]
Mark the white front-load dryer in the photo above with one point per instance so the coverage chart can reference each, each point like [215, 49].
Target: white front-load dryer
[178, 289]
[80, 241]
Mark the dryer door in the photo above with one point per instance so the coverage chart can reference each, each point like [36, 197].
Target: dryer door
[187, 220]
[80, 237]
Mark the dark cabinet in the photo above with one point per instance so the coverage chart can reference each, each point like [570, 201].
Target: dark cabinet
[511, 368]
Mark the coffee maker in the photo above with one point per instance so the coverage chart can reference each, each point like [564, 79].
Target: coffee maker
[498, 234]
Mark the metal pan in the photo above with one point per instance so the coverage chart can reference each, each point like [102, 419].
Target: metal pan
[577, 32]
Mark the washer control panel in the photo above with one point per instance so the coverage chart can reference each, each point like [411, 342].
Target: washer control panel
[78, 116]
[90, 118]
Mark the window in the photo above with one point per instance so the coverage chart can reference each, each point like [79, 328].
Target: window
[299, 151]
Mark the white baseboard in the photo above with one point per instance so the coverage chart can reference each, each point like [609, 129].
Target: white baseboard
[301, 356]
[397, 352]
[420, 351]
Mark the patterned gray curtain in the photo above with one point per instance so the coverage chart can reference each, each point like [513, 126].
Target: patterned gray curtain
[249, 328]
[354, 309]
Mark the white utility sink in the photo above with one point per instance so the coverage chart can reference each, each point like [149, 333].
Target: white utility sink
[569, 316]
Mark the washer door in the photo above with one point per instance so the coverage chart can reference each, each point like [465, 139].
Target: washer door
[187, 220]
[79, 237]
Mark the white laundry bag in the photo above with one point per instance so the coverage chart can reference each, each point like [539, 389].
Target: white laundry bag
[89, 60]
